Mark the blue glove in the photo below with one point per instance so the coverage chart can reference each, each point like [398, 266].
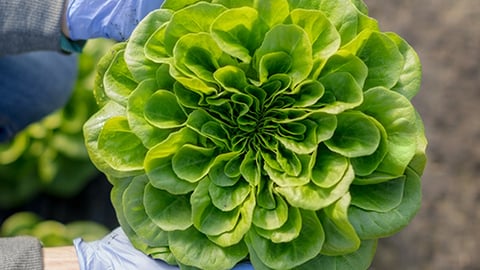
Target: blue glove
[115, 251]
[112, 19]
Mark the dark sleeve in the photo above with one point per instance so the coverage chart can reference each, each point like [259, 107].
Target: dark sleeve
[20, 253]
[30, 25]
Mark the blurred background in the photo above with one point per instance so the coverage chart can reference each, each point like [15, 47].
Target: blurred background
[446, 35]
[48, 186]
[55, 192]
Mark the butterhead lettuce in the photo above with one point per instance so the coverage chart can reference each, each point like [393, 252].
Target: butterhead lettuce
[280, 132]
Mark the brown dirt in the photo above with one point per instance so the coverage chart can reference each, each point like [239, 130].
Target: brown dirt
[446, 35]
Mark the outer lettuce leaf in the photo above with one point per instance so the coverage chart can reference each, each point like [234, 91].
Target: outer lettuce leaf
[143, 129]
[410, 79]
[129, 157]
[373, 224]
[137, 218]
[399, 120]
[361, 259]
[191, 247]
[139, 65]
[340, 236]
[118, 82]
[303, 248]
[167, 211]
[350, 17]
[240, 37]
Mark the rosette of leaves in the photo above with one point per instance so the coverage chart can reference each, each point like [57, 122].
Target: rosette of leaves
[281, 132]
[50, 155]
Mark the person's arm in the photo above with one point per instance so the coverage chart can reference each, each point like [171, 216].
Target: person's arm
[20, 253]
[30, 25]
[60, 258]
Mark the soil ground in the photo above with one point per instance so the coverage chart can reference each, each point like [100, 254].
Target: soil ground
[446, 35]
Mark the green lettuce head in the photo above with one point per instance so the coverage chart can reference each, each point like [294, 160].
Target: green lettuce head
[280, 132]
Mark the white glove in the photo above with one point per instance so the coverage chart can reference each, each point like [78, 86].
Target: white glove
[112, 19]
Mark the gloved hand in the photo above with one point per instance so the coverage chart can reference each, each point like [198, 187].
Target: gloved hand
[112, 19]
[115, 251]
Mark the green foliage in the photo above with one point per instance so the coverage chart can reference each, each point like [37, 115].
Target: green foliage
[276, 131]
[50, 155]
[50, 232]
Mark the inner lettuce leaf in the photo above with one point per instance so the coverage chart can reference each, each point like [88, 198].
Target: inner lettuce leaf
[280, 132]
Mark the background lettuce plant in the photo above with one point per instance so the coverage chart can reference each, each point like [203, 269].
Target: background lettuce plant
[51, 232]
[49, 156]
[280, 132]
